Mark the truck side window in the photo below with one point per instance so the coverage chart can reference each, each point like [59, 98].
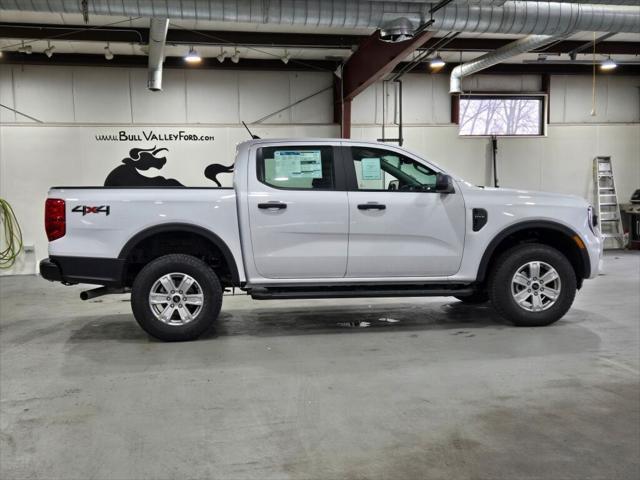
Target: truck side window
[295, 167]
[378, 169]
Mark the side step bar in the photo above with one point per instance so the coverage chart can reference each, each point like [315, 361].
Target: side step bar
[264, 293]
[100, 291]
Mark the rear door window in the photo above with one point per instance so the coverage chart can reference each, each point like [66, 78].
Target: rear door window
[298, 168]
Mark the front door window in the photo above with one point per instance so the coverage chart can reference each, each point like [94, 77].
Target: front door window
[378, 169]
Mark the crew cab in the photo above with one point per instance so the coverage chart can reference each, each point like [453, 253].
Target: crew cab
[322, 218]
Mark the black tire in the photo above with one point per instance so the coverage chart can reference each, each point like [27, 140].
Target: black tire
[181, 264]
[500, 288]
[480, 296]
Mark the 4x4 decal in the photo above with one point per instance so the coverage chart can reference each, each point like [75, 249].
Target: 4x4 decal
[84, 209]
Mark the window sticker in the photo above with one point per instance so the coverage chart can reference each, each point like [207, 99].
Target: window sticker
[298, 164]
[371, 169]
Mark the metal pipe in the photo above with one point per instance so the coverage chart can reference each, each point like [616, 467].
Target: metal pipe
[515, 17]
[157, 40]
[512, 49]
[502, 2]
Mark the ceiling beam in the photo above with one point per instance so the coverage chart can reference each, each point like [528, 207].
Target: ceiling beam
[80, 33]
[565, 46]
[140, 61]
[540, 68]
[180, 36]
[589, 45]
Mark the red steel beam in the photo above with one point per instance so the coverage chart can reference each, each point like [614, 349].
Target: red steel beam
[374, 59]
[345, 125]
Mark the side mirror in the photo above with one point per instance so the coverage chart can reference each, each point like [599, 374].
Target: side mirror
[444, 183]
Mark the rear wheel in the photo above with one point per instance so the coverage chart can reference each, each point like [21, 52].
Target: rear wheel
[532, 285]
[176, 297]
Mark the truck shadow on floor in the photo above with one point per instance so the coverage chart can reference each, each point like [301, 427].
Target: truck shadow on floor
[244, 336]
[297, 320]
[308, 320]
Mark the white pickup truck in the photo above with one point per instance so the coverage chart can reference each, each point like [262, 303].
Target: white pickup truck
[325, 218]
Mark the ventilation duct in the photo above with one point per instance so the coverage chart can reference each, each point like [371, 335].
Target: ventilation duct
[511, 17]
[512, 49]
[397, 30]
[599, 2]
[540, 18]
[157, 40]
[502, 2]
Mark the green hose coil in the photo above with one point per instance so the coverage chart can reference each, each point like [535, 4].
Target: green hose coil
[12, 237]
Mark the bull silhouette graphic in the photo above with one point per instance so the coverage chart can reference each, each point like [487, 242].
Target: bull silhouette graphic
[128, 174]
[140, 159]
[215, 169]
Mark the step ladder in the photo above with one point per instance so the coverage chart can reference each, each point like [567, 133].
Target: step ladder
[607, 207]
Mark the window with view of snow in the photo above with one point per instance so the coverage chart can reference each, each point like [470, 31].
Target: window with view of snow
[501, 115]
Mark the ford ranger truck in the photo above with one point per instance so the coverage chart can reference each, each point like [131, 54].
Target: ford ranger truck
[322, 218]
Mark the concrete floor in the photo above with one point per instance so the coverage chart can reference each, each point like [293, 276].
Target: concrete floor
[429, 389]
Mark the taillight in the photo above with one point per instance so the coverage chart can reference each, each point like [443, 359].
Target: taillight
[54, 218]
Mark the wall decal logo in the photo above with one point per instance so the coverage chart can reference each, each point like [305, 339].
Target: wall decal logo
[128, 175]
[140, 159]
[152, 136]
[85, 209]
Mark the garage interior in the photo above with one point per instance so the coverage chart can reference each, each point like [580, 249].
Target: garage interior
[368, 388]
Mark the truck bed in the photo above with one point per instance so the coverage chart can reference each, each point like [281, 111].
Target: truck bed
[101, 220]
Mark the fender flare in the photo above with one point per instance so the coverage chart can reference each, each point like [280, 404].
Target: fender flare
[527, 225]
[184, 227]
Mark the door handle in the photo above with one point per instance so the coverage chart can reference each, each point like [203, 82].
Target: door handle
[268, 205]
[371, 206]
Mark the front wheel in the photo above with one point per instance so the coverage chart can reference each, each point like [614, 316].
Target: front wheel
[176, 297]
[532, 285]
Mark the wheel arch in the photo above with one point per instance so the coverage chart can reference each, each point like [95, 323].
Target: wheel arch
[182, 228]
[554, 234]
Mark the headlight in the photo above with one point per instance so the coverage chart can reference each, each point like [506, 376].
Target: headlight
[593, 219]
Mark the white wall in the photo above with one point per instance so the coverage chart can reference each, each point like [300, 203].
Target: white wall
[427, 100]
[78, 103]
[561, 161]
[119, 96]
